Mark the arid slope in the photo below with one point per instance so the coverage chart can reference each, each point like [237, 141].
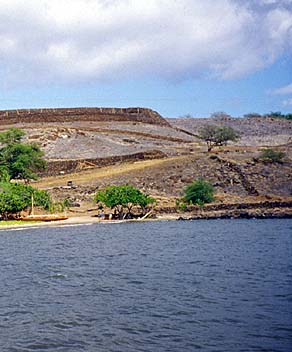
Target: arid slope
[112, 148]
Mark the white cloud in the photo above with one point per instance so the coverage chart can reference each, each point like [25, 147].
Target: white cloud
[273, 2]
[283, 90]
[287, 102]
[108, 39]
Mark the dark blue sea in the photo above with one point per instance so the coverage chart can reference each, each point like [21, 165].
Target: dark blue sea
[216, 285]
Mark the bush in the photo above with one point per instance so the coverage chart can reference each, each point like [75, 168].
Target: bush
[123, 197]
[16, 197]
[11, 204]
[19, 160]
[199, 192]
[181, 205]
[271, 155]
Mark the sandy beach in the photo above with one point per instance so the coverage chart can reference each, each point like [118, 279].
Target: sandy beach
[78, 220]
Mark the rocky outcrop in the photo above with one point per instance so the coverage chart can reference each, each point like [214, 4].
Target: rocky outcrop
[143, 115]
[245, 210]
[233, 167]
[252, 214]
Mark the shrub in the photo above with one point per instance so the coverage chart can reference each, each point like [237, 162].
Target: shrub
[16, 197]
[181, 205]
[271, 155]
[19, 160]
[123, 197]
[217, 135]
[199, 192]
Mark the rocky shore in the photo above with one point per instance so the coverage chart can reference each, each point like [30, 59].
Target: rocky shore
[252, 214]
[252, 210]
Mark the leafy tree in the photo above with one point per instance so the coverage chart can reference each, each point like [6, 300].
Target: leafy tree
[15, 197]
[10, 205]
[19, 160]
[217, 135]
[121, 198]
[22, 160]
[199, 192]
[13, 135]
[144, 201]
[271, 155]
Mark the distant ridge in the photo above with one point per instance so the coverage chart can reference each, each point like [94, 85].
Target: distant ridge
[137, 114]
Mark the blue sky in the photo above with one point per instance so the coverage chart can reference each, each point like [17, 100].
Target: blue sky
[177, 57]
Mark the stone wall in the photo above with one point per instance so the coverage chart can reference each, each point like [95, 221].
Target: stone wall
[81, 114]
[69, 166]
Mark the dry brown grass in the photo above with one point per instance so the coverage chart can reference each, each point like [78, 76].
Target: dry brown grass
[88, 176]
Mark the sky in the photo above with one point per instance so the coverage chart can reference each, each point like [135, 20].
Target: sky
[177, 57]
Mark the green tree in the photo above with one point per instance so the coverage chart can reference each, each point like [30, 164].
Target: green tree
[15, 197]
[271, 155]
[13, 135]
[217, 135]
[19, 160]
[10, 205]
[123, 197]
[199, 192]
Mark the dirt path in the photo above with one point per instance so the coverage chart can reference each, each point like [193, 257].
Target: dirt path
[87, 176]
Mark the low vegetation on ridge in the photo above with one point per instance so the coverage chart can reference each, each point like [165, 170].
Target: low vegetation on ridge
[271, 155]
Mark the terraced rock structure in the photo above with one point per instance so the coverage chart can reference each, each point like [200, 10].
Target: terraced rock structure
[81, 138]
[85, 114]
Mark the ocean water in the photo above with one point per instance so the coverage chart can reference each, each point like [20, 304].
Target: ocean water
[217, 285]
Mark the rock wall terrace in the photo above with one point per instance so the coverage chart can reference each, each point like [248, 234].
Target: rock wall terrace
[56, 167]
[143, 115]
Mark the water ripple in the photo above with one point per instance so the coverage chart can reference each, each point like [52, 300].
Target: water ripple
[208, 286]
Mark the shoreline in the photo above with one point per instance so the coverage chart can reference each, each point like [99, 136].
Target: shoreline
[188, 216]
[77, 220]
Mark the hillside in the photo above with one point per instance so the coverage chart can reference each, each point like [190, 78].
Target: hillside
[254, 131]
[96, 147]
[96, 133]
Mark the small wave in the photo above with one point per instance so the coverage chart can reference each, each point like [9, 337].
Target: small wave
[58, 276]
